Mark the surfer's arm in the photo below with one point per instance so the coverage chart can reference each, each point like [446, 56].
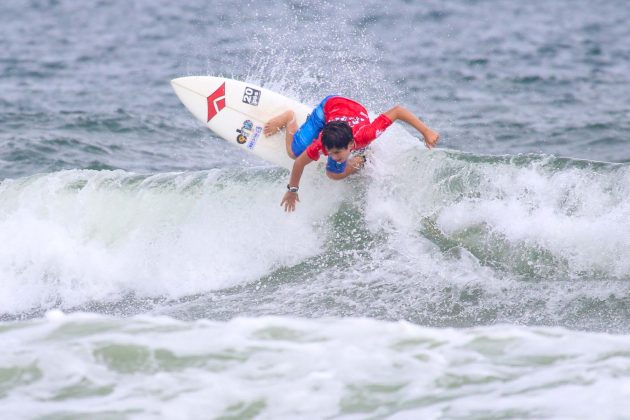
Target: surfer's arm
[400, 113]
[291, 198]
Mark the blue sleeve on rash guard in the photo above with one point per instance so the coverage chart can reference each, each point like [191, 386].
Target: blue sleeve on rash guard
[336, 167]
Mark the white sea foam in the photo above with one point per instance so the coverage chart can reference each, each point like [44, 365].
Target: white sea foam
[84, 365]
[73, 237]
[77, 236]
[577, 214]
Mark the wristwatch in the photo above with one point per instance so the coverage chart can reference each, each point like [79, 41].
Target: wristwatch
[292, 189]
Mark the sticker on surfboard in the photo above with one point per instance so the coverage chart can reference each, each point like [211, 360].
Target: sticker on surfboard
[216, 102]
[244, 131]
[248, 134]
[251, 96]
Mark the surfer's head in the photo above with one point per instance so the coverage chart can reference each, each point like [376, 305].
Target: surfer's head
[337, 139]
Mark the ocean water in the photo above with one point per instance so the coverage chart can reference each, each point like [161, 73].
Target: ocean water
[148, 271]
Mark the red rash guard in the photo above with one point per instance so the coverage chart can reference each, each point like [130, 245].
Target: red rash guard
[341, 109]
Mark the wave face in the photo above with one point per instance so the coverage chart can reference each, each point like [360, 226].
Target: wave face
[77, 236]
[437, 237]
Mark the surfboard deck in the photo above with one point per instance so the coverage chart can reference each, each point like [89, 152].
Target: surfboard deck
[237, 112]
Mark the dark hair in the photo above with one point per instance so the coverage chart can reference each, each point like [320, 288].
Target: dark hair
[336, 135]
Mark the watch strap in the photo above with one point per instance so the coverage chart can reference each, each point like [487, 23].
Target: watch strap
[292, 189]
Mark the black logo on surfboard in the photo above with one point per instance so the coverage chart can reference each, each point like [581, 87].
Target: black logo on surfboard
[251, 96]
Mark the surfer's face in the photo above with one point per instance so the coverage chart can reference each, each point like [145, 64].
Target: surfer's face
[340, 155]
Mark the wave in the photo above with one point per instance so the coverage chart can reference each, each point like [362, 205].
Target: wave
[455, 231]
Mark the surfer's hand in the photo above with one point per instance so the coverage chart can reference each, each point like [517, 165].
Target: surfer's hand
[431, 138]
[289, 200]
[357, 163]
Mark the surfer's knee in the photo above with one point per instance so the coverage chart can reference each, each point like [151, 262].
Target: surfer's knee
[289, 139]
[292, 126]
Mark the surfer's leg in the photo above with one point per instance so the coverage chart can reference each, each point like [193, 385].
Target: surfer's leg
[307, 133]
[289, 136]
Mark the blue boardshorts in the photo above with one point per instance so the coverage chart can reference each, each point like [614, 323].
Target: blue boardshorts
[309, 131]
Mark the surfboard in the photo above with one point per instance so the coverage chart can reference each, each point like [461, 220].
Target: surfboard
[237, 112]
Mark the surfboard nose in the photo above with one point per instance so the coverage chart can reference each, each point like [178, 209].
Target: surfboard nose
[203, 96]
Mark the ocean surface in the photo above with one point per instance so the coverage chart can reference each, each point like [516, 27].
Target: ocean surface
[147, 270]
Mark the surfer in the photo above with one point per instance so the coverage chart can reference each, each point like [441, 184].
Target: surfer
[335, 128]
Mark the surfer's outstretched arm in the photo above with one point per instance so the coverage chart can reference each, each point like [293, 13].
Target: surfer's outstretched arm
[291, 196]
[400, 113]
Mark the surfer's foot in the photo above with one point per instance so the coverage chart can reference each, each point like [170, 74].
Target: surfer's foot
[278, 123]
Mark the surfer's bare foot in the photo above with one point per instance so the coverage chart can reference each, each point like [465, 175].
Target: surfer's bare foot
[277, 123]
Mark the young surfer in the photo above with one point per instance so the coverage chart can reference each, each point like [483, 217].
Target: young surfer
[336, 127]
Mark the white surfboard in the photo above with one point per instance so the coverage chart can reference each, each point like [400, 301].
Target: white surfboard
[237, 112]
